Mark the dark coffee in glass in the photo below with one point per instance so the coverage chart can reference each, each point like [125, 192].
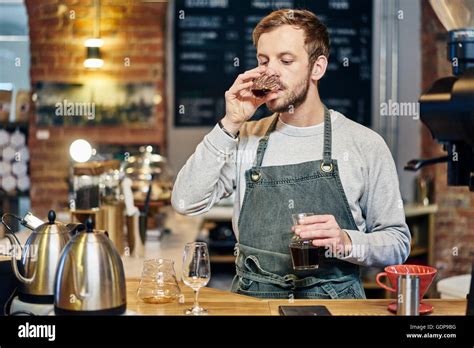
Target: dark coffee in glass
[304, 255]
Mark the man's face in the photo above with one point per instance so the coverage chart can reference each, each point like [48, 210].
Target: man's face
[283, 52]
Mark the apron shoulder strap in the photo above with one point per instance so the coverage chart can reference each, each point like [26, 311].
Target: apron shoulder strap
[263, 142]
[327, 161]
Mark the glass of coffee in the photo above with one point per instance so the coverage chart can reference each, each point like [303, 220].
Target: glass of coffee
[304, 255]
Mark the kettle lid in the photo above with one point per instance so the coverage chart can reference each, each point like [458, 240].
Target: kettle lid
[51, 216]
[89, 230]
[89, 225]
[52, 226]
[90, 235]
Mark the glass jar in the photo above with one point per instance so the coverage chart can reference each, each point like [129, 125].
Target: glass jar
[147, 166]
[158, 283]
[110, 182]
[87, 185]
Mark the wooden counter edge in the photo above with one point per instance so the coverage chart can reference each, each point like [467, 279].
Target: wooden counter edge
[221, 302]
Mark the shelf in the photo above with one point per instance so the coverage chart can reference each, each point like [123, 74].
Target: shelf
[219, 213]
[23, 126]
[414, 210]
[372, 285]
[14, 194]
[154, 203]
[416, 251]
[224, 213]
[222, 258]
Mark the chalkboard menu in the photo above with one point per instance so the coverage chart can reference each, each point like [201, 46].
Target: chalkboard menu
[213, 44]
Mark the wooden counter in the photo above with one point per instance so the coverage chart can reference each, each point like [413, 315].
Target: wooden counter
[220, 302]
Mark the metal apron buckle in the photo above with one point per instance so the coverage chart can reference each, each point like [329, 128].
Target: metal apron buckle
[236, 250]
[255, 175]
[327, 168]
[291, 280]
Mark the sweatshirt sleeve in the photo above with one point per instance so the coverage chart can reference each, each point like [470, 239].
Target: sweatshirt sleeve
[208, 175]
[386, 240]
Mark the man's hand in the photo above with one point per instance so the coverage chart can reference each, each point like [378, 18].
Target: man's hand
[240, 103]
[324, 231]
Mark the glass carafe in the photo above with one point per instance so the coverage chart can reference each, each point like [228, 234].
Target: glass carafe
[158, 282]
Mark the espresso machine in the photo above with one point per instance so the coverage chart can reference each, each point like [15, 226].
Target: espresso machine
[447, 108]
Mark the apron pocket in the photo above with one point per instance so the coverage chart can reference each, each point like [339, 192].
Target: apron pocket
[358, 290]
[348, 290]
[331, 290]
[279, 295]
[252, 288]
[316, 293]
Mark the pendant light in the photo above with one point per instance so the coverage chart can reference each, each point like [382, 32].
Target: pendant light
[93, 45]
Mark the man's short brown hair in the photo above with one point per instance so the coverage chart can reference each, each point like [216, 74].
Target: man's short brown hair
[316, 33]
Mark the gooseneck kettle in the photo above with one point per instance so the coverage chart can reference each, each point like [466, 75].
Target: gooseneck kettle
[39, 259]
[90, 278]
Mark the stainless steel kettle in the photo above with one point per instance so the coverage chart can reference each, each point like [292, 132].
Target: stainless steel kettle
[39, 259]
[90, 279]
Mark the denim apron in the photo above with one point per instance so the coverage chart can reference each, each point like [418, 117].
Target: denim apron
[263, 262]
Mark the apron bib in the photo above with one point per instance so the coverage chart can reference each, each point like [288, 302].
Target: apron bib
[263, 262]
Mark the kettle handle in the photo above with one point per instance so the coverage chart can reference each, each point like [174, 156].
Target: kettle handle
[74, 228]
[17, 272]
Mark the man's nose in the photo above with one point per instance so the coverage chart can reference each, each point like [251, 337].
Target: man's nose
[271, 70]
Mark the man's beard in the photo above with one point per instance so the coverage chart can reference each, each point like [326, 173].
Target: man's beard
[294, 99]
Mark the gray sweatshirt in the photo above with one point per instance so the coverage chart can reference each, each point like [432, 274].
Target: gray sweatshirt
[366, 167]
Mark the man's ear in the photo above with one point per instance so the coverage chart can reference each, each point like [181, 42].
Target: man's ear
[319, 68]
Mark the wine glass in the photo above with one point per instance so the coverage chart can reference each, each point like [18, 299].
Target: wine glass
[196, 272]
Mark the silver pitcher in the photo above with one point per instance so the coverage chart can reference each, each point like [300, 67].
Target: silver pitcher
[90, 278]
[408, 295]
[39, 258]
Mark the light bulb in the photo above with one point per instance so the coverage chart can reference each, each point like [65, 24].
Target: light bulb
[94, 42]
[80, 150]
[93, 63]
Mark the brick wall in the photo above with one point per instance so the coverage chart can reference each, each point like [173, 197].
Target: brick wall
[133, 51]
[455, 219]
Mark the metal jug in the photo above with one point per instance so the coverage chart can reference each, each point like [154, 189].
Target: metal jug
[90, 278]
[39, 259]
